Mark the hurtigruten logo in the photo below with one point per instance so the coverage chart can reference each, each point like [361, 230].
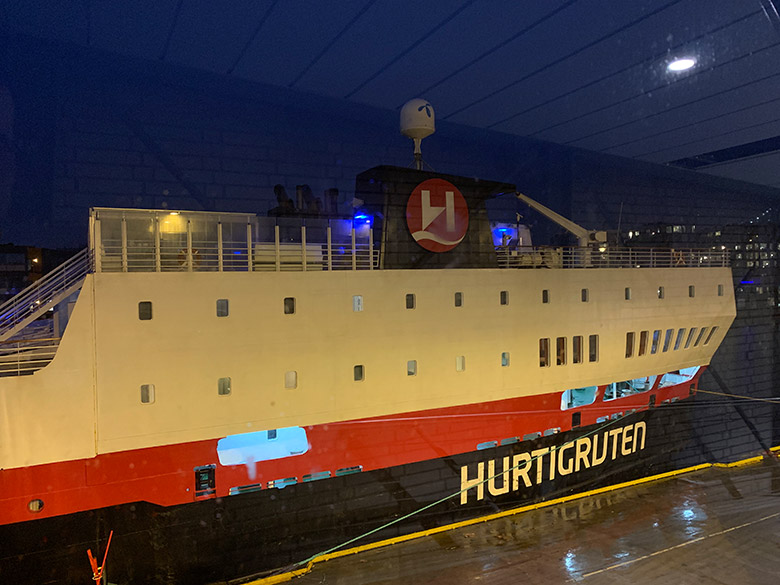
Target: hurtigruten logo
[545, 464]
[437, 215]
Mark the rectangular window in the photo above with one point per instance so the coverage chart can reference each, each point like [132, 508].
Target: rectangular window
[691, 291]
[410, 301]
[702, 333]
[147, 393]
[411, 368]
[709, 337]
[656, 340]
[357, 303]
[504, 297]
[584, 295]
[504, 359]
[291, 380]
[630, 344]
[660, 292]
[593, 348]
[145, 310]
[691, 335]
[628, 293]
[560, 351]
[358, 373]
[680, 337]
[222, 308]
[544, 352]
[223, 386]
[643, 342]
[545, 296]
[668, 339]
[460, 363]
[458, 299]
[271, 434]
[720, 290]
[289, 305]
[576, 349]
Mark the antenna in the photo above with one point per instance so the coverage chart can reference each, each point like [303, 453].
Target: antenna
[417, 122]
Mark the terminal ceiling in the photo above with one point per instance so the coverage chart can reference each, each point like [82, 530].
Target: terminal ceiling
[586, 73]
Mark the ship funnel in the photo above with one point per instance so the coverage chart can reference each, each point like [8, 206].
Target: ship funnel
[417, 121]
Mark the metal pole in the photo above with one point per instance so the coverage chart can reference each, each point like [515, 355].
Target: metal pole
[303, 247]
[219, 247]
[249, 247]
[97, 250]
[371, 249]
[157, 254]
[354, 256]
[276, 248]
[330, 249]
[124, 244]
[189, 246]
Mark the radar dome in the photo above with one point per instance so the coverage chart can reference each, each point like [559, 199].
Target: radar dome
[417, 119]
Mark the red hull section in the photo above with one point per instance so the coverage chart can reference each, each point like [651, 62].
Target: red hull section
[165, 475]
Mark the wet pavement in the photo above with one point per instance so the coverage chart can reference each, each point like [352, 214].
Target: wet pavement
[719, 526]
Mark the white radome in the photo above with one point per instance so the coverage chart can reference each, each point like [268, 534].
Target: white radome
[417, 119]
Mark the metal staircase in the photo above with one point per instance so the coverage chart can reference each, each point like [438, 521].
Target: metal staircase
[44, 294]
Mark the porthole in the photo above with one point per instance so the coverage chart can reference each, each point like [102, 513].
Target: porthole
[35, 505]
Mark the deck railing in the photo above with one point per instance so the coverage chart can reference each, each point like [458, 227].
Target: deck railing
[25, 356]
[609, 257]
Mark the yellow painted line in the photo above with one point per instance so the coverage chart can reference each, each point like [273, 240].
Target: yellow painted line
[289, 575]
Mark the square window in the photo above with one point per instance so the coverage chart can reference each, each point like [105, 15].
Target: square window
[720, 290]
[576, 349]
[584, 295]
[593, 348]
[357, 303]
[691, 291]
[560, 351]
[504, 359]
[628, 293]
[289, 305]
[411, 368]
[222, 308]
[630, 344]
[544, 352]
[147, 393]
[358, 373]
[660, 292]
[460, 363]
[545, 296]
[270, 434]
[291, 379]
[643, 342]
[145, 310]
[504, 297]
[410, 301]
[223, 386]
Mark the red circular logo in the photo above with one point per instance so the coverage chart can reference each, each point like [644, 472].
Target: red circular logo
[437, 215]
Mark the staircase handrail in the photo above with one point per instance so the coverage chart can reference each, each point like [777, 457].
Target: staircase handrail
[41, 292]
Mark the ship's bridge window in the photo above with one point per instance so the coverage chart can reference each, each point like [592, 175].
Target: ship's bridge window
[545, 296]
[593, 348]
[668, 339]
[702, 333]
[628, 387]
[691, 335]
[222, 308]
[709, 337]
[576, 349]
[560, 351]
[578, 397]
[584, 295]
[643, 342]
[145, 310]
[410, 301]
[630, 344]
[544, 352]
[678, 340]
[147, 393]
[504, 297]
[660, 292]
[458, 299]
[678, 377]
[223, 386]
[656, 340]
[289, 305]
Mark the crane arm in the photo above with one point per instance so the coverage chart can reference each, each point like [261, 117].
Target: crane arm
[585, 237]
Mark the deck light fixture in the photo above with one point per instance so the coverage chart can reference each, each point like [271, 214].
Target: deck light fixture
[681, 64]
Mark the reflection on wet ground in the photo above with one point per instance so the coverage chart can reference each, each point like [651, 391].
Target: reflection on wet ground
[713, 526]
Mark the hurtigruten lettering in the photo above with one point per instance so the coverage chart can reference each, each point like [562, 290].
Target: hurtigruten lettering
[532, 468]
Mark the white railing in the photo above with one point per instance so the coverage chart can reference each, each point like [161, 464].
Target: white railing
[572, 257]
[43, 294]
[25, 356]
